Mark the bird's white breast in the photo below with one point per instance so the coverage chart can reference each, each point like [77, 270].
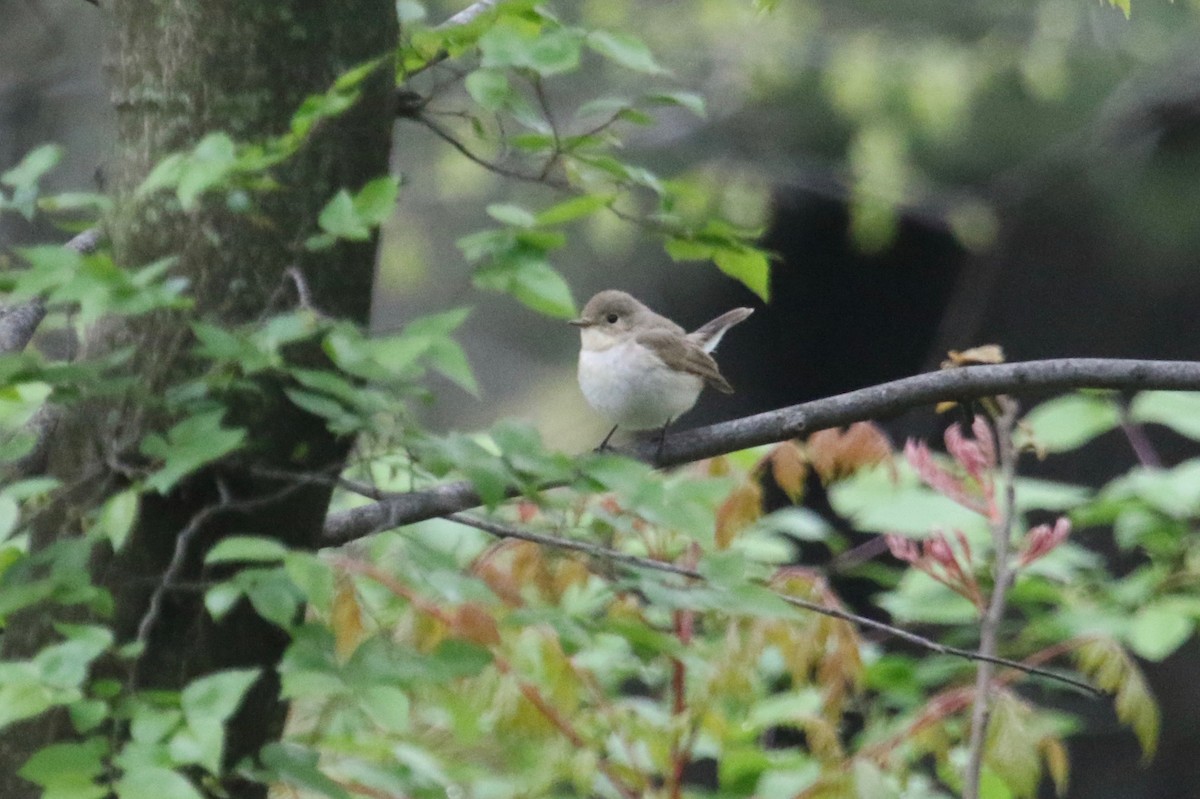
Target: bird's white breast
[631, 387]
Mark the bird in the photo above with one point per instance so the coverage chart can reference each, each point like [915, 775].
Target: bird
[639, 369]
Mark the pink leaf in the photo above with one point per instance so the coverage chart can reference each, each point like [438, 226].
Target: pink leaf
[902, 548]
[940, 480]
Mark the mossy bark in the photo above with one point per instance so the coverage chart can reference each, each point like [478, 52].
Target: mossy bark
[180, 70]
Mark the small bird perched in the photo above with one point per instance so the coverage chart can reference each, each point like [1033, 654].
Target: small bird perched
[641, 370]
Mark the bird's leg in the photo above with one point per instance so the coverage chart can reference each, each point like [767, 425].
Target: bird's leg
[604, 444]
[662, 439]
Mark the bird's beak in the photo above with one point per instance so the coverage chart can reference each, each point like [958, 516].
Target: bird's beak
[580, 322]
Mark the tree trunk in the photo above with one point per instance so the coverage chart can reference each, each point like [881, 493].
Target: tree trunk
[180, 70]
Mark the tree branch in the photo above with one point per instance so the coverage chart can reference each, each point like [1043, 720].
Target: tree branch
[18, 323]
[501, 530]
[876, 402]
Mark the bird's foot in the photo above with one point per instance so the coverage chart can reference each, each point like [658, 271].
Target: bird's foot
[603, 446]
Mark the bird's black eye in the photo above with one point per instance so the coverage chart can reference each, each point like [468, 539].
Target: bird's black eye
[612, 318]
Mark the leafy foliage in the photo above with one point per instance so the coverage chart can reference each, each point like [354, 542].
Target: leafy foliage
[435, 659]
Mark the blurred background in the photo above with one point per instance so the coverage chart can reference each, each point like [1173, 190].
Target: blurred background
[932, 174]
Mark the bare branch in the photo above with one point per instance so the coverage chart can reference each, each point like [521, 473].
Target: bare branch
[18, 323]
[42, 425]
[595, 550]
[464, 17]
[468, 14]
[876, 402]
[86, 242]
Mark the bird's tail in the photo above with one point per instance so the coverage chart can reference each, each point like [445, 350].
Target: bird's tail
[708, 336]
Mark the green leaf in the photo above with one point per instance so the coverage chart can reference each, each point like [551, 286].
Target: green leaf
[376, 201]
[748, 266]
[490, 88]
[272, 595]
[1174, 491]
[1178, 410]
[195, 441]
[626, 50]
[528, 277]
[293, 765]
[65, 665]
[1069, 422]
[208, 165]
[37, 162]
[875, 501]
[1158, 629]
[221, 598]
[740, 769]
[117, 516]
[10, 515]
[88, 714]
[543, 289]
[215, 697]
[572, 209]
[556, 52]
[68, 770]
[338, 418]
[314, 577]
[387, 706]
[1012, 745]
[165, 174]
[510, 214]
[505, 45]
[870, 782]
[340, 218]
[486, 243]
[447, 357]
[456, 659]
[76, 201]
[198, 745]
[681, 249]
[246, 548]
[784, 708]
[22, 693]
[437, 324]
[550, 52]
[689, 100]
[1111, 669]
[155, 782]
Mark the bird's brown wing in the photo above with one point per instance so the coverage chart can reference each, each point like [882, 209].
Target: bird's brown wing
[684, 355]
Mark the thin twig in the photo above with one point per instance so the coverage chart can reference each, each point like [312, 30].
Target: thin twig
[303, 294]
[1139, 442]
[876, 402]
[183, 541]
[501, 530]
[174, 566]
[539, 91]
[989, 627]
[491, 166]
